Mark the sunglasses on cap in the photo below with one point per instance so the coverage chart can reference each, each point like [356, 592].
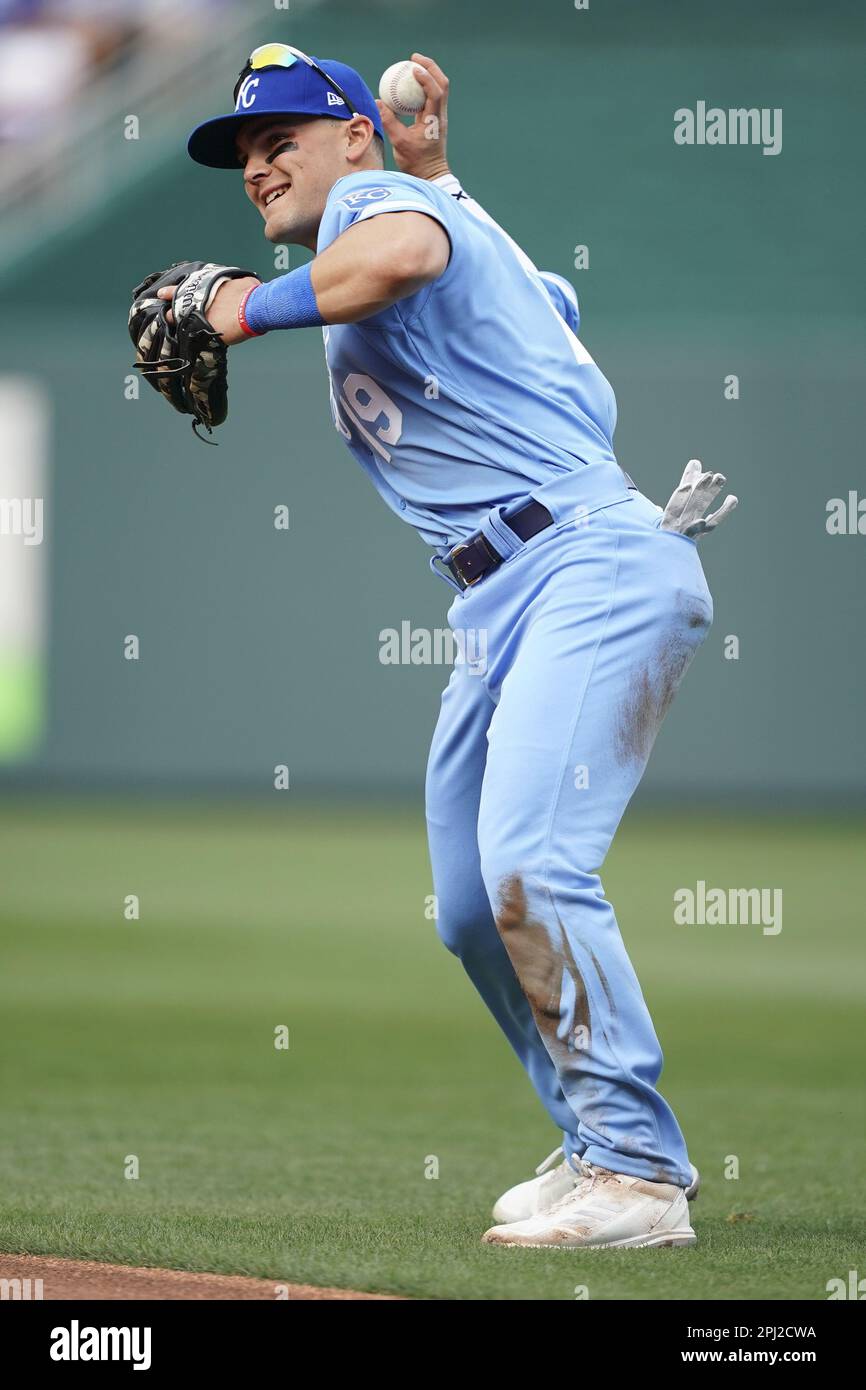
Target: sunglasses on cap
[283, 55]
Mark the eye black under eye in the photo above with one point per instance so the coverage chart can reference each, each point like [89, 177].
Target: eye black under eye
[276, 137]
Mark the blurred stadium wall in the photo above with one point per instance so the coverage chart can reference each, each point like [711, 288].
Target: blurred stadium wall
[260, 646]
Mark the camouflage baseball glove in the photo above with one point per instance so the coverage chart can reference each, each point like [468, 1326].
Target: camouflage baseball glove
[185, 361]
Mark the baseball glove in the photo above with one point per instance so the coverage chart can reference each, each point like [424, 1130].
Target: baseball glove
[185, 361]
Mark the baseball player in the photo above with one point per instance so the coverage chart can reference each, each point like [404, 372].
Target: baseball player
[460, 385]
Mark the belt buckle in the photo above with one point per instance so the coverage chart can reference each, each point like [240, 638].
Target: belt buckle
[458, 549]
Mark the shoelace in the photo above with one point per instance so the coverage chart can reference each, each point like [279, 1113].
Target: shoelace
[543, 1167]
[585, 1177]
[589, 1176]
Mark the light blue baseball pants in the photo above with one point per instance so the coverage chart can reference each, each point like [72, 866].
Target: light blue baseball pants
[585, 632]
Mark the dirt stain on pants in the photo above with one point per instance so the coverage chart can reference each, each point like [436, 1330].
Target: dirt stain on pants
[654, 686]
[540, 966]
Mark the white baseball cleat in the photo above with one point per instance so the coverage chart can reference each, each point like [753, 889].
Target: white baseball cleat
[604, 1209]
[538, 1194]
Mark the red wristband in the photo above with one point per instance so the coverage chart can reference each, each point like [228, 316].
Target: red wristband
[242, 318]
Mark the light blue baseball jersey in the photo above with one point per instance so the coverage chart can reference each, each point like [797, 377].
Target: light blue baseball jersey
[473, 390]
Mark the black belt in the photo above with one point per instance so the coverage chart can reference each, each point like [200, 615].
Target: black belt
[471, 560]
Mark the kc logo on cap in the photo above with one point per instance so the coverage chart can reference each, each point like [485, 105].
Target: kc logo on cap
[246, 94]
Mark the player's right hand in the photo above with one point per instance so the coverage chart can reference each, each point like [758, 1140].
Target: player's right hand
[419, 148]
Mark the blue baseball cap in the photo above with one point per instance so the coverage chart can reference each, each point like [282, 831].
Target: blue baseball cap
[285, 86]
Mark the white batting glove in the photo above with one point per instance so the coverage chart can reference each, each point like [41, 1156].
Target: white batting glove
[697, 489]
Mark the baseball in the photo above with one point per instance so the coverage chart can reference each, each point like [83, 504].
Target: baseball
[400, 89]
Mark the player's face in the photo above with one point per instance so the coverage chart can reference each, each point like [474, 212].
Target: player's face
[290, 191]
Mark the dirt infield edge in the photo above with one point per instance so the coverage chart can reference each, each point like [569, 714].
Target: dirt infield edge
[48, 1277]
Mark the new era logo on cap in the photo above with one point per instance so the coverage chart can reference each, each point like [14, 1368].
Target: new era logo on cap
[334, 100]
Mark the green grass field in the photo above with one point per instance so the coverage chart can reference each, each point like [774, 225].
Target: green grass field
[155, 1038]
